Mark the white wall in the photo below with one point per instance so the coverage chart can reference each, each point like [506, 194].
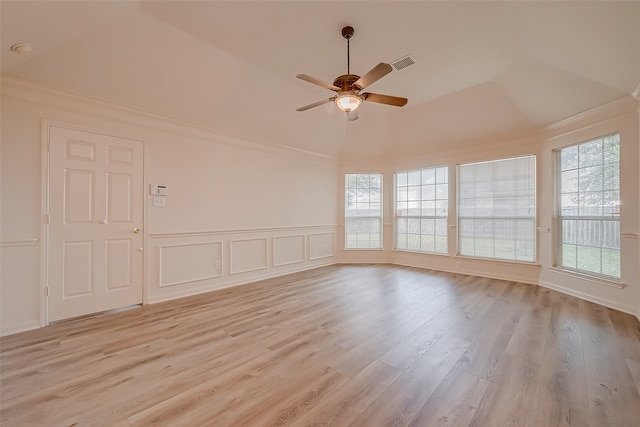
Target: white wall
[217, 180]
[261, 210]
[620, 116]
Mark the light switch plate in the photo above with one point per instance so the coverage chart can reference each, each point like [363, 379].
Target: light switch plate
[159, 190]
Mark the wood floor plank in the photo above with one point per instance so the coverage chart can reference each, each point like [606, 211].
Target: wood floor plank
[508, 398]
[475, 305]
[488, 343]
[346, 405]
[561, 392]
[398, 405]
[285, 407]
[344, 345]
[454, 402]
[404, 354]
[565, 328]
[243, 379]
[561, 395]
[627, 329]
[613, 396]
[359, 357]
[528, 339]
[634, 368]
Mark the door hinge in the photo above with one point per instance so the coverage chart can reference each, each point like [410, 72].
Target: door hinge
[47, 219]
[46, 291]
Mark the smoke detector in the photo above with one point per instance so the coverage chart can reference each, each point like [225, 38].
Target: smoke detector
[22, 48]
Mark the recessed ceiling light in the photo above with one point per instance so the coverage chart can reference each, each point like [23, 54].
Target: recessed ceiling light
[22, 48]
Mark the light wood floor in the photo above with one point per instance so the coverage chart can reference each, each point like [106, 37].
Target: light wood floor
[342, 346]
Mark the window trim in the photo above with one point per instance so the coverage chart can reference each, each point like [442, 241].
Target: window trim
[556, 264]
[591, 277]
[536, 258]
[380, 217]
[433, 217]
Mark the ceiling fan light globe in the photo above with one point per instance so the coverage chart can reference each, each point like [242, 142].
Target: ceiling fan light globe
[348, 103]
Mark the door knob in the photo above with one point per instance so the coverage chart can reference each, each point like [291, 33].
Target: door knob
[136, 230]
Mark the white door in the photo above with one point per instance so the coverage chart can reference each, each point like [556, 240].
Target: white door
[95, 225]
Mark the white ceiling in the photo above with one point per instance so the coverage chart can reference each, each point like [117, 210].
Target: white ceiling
[483, 69]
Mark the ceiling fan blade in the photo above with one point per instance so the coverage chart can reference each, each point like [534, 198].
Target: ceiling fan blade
[385, 99]
[375, 74]
[315, 104]
[352, 116]
[316, 81]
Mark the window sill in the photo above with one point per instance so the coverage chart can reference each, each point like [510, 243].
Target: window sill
[363, 249]
[612, 283]
[409, 251]
[533, 264]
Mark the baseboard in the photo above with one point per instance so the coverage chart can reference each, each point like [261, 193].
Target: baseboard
[470, 273]
[21, 327]
[629, 309]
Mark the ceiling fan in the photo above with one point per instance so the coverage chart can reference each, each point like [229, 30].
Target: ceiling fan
[348, 86]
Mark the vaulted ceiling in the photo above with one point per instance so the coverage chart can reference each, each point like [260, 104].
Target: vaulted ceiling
[483, 69]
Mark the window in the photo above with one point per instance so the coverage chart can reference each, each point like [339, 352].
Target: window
[497, 209]
[363, 211]
[588, 177]
[422, 198]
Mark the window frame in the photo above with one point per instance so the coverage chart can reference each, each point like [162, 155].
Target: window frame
[380, 217]
[420, 216]
[603, 218]
[533, 231]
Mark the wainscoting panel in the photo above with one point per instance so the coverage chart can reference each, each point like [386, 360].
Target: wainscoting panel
[21, 311]
[187, 263]
[247, 255]
[321, 245]
[288, 250]
[180, 264]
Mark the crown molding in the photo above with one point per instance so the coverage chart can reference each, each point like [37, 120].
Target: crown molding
[602, 112]
[17, 88]
[636, 91]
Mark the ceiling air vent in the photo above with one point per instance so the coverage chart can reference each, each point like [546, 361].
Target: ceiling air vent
[403, 62]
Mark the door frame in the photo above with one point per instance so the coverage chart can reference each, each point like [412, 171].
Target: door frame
[45, 168]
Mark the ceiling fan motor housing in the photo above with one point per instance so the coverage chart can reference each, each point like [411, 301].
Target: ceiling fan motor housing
[346, 82]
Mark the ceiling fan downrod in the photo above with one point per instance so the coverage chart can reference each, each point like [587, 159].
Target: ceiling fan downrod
[347, 33]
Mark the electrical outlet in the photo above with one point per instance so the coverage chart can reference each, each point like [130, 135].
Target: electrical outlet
[459, 265]
[217, 264]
